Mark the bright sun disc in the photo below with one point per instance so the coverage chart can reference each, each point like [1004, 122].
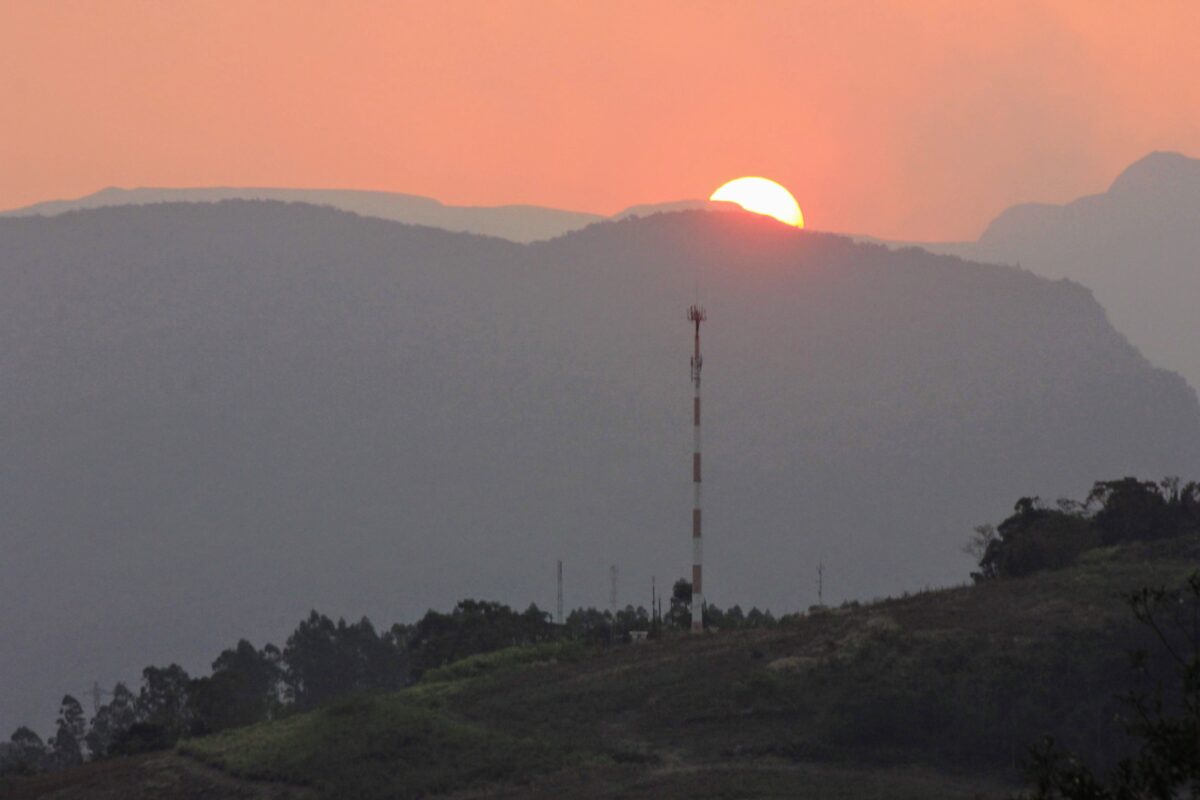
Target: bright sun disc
[762, 196]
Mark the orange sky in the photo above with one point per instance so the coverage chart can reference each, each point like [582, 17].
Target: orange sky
[914, 119]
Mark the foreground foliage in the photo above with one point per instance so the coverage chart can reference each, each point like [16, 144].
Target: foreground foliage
[1164, 714]
[1037, 537]
[488, 696]
[322, 661]
[953, 684]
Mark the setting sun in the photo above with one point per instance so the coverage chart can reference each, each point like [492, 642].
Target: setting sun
[762, 196]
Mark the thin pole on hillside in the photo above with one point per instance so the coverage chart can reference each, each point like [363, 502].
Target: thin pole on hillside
[560, 593]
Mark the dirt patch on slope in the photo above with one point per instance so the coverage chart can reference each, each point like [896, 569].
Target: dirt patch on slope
[157, 776]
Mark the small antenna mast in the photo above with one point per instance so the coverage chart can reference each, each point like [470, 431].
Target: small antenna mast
[612, 591]
[560, 593]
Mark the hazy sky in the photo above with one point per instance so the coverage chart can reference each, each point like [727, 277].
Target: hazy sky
[913, 119]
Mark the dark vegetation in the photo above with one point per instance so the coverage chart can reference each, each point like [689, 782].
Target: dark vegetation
[951, 687]
[323, 661]
[934, 695]
[1163, 713]
[1037, 537]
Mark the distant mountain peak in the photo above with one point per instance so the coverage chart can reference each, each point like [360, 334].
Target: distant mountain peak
[1163, 179]
[1156, 172]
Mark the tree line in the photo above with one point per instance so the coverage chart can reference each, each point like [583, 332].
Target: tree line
[322, 660]
[1038, 536]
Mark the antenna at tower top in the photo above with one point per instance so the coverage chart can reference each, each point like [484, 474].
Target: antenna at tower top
[696, 315]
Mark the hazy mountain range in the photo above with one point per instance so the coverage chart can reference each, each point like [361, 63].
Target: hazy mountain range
[517, 223]
[1136, 246]
[218, 416]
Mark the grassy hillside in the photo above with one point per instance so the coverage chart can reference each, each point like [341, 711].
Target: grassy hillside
[933, 695]
[154, 776]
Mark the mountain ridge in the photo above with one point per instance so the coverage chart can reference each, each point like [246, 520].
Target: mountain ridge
[1155, 177]
[517, 222]
[1135, 245]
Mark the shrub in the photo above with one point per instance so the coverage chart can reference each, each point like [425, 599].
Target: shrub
[1035, 538]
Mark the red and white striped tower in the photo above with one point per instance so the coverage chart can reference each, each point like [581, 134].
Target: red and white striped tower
[696, 315]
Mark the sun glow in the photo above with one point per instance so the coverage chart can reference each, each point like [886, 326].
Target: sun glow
[762, 196]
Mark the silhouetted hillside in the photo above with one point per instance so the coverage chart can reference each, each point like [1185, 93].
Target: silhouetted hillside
[948, 689]
[930, 696]
[218, 416]
[517, 223]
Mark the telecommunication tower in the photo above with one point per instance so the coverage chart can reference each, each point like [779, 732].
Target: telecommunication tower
[696, 315]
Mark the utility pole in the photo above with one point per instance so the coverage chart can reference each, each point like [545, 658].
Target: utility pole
[612, 591]
[560, 593]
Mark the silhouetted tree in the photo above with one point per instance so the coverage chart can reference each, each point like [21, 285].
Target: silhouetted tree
[474, 626]
[162, 707]
[111, 721]
[733, 618]
[29, 752]
[317, 667]
[679, 615]
[1134, 510]
[66, 746]
[589, 625]
[1032, 539]
[759, 619]
[1131, 510]
[630, 619]
[324, 659]
[243, 689]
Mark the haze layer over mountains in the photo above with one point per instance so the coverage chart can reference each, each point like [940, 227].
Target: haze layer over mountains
[1135, 245]
[519, 223]
[218, 416]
